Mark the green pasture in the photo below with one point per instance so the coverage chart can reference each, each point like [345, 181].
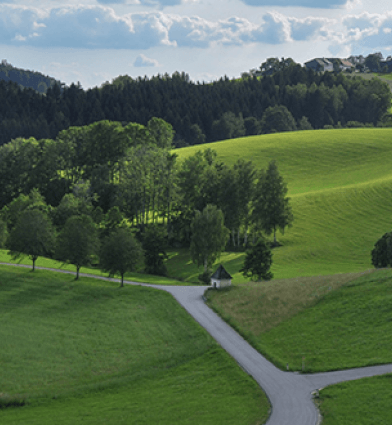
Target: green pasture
[340, 184]
[89, 352]
[363, 402]
[335, 322]
[53, 264]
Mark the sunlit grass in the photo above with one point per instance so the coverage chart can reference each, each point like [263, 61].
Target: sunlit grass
[89, 352]
[340, 184]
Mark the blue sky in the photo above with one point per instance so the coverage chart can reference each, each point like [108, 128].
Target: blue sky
[94, 41]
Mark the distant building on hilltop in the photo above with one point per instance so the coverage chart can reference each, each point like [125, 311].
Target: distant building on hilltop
[319, 65]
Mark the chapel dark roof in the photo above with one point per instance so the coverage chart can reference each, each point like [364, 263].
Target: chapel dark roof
[221, 274]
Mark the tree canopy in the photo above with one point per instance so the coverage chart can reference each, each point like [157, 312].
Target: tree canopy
[209, 236]
[120, 252]
[271, 207]
[196, 112]
[258, 261]
[33, 235]
[382, 251]
[78, 242]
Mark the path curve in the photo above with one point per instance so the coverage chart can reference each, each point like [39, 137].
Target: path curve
[290, 393]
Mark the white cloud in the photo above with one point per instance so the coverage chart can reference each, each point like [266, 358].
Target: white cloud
[309, 28]
[100, 27]
[144, 61]
[96, 27]
[368, 32]
[319, 4]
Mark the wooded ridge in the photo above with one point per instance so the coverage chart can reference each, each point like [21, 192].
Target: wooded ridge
[292, 98]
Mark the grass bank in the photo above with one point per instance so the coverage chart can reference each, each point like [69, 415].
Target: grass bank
[334, 322]
[89, 352]
[363, 402]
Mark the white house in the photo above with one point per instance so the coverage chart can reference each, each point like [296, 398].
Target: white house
[320, 64]
[220, 279]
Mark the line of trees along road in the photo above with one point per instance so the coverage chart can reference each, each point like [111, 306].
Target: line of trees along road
[292, 98]
[128, 176]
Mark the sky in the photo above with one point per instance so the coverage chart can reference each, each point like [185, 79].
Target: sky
[95, 41]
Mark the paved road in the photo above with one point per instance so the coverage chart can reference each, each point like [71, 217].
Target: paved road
[289, 393]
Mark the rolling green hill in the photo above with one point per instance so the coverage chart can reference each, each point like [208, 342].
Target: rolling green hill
[89, 352]
[340, 184]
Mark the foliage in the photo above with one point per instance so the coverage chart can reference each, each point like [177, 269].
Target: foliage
[205, 278]
[70, 205]
[324, 99]
[304, 124]
[271, 208]
[229, 126]
[277, 119]
[382, 251]
[120, 252]
[33, 235]
[112, 220]
[3, 233]
[78, 242]
[258, 261]
[209, 236]
[154, 245]
[33, 201]
[28, 79]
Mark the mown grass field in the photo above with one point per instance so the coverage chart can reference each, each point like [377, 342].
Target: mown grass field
[340, 184]
[336, 322]
[89, 352]
[53, 264]
[363, 402]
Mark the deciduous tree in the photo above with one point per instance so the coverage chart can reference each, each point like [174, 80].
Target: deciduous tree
[382, 251]
[258, 261]
[120, 252]
[154, 245]
[78, 242]
[209, 236]
[33, 236]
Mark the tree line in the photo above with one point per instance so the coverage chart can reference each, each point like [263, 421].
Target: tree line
[128, 176]
[289, 99]
[27, 79]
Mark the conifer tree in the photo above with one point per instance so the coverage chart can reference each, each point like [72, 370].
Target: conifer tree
[271, 206]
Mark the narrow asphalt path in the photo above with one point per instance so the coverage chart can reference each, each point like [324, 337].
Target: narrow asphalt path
[290, 393]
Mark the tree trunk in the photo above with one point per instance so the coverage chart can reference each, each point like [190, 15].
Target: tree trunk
[205, 265]
[168, 211]
[238, 237]
[77, 272]
[122, 280]
[233, 236]
[34, 258]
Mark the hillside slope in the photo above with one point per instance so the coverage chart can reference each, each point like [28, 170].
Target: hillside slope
[340, 184]
[26, 78]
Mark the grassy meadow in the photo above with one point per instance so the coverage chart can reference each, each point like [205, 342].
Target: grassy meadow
[340, 184]
[334, 322]
[363, 402]
[89, 352]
